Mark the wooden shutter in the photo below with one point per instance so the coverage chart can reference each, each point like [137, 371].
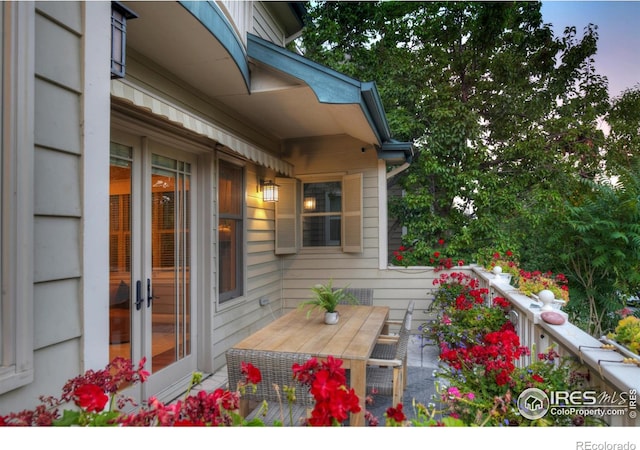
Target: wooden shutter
[286, 216]
[352, 240]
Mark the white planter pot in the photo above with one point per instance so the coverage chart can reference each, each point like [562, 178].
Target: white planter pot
[331, 318]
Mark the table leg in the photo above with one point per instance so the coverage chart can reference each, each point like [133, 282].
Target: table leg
[358, 382]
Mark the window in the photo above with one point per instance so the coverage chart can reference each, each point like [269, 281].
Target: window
[321, 214]
[230, 230]
[327, 214]
[16, 195]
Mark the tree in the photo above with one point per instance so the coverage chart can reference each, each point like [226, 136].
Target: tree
[506, 118]
[504, 115]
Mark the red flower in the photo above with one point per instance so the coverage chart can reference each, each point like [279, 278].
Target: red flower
[396, 414]
[90, 397]
[441, 241]
[253, 373]
[436, 254]
[537, 378]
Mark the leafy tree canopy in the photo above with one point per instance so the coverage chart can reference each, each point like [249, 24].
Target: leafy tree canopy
[505, 115]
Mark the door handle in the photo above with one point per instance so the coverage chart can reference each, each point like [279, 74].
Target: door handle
[149, 294]
[139, 300]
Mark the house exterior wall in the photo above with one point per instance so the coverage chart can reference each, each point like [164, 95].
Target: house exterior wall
[265, 26]
[394, 287]
[74, 105]
[227, 323]
[58, 209]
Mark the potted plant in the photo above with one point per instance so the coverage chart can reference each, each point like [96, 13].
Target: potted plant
[328, 298]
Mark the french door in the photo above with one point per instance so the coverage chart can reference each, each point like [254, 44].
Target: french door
[152, 281]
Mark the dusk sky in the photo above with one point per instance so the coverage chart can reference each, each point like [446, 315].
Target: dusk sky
[618, 56]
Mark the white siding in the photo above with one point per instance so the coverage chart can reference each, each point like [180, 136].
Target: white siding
[227, 323]
[265, 26]
[57, 137]
[239, 15]
[395, 287]
[236, 319]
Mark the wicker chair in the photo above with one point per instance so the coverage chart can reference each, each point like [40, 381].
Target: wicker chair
[275, 368]
[387, 373]
[363, 295]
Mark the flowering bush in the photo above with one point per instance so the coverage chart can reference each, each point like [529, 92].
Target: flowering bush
[507, 261]
[92, 399]
[463, 315]
[328, 385]
[421, 254]
[533, 282]
[476, 399]
[627, 333]
[479, 350]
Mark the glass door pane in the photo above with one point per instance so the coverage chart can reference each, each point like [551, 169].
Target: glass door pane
[170, 261]
[120, 252]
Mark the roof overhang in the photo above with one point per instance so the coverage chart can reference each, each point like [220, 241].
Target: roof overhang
[355, 107]
[280, 94]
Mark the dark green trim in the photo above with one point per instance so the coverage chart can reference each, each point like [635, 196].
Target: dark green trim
[396, 151]
[212, 18]
[332, 87]
[328, 85]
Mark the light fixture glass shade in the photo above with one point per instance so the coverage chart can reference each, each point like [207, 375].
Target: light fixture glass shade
[269, 192]
[119, 16]
[309, 203]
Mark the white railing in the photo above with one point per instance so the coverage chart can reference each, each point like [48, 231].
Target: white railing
[607, 371]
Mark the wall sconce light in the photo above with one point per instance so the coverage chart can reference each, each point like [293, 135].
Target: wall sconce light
[119, 16]
[309, 203]
[269, 191]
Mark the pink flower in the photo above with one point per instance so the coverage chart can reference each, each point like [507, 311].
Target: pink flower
[454, 392]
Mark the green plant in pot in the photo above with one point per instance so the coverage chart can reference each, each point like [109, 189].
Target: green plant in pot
[324, 296]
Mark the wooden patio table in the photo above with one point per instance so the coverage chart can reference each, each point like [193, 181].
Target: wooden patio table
[352, 340]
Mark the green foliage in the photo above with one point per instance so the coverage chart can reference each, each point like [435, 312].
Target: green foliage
[324, 296]
[506, 118]
[627, 333]
[601, 247]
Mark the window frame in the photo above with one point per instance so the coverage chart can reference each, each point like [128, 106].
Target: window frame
[328, 215]
[288, 219]
[240, 219]
[16, 180]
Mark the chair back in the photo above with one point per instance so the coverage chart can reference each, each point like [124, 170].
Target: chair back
[405, 332]
[363, 295]
[275, 368]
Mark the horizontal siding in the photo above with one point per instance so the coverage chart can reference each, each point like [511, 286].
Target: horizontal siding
[56, 303]
[238, 318]
[57, 136]
[394, 287]
[265, 26]
[57, 191]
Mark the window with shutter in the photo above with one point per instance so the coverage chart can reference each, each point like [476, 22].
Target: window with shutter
[328, 213]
